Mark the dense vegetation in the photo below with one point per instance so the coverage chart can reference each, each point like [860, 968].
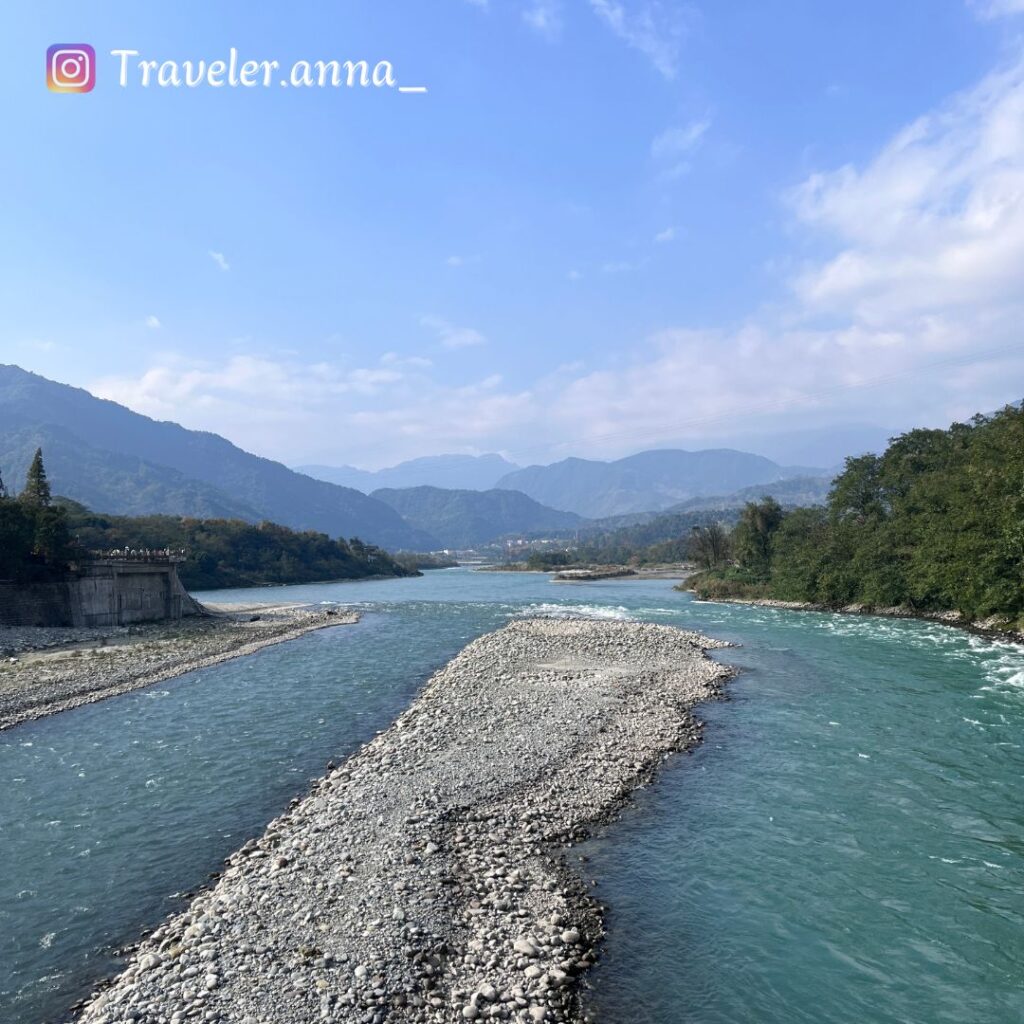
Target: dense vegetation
[233, 553]
[936, 523]
[40, 536]
[35, 543]
[110, 458]
[416, 560]
[665, 538]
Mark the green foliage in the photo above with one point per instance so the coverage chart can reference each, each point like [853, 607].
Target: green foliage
[665, 538]
[936, 523]
[37, 487]
[414, 561]
[754, 536]
[34, 538]
[544, 561]
[233, 553]
[709, 546]
[723, 584]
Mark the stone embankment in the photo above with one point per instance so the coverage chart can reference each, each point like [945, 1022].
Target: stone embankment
[423, 879]
[45, 670]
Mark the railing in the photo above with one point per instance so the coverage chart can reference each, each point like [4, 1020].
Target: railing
[158, 555]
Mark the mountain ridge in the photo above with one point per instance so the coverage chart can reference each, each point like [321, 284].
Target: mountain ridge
[185, 468]
[454, 472]
[648, 481]
[463, 519]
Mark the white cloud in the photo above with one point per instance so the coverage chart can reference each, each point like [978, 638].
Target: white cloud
[668, 235]
[574, 275]
[617, 267]
[676, 142]
[935, 222]
[451, 336]
[454, 261]
[218, 258]
[153, 323]
[996, 8]
[653, 27]
[672, 149]
[912, 316]
[545, 18]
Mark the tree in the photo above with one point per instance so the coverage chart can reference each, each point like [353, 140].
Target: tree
[754, 534]
[709, 545]
[3, 488]
[37, 487]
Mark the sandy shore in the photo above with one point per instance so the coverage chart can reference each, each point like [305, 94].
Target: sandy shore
[423, 879]
[55, 669]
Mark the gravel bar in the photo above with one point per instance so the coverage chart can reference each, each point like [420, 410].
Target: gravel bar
[48, 670]
[425, 879]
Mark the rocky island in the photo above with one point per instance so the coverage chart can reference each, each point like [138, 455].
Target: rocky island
[424, 879]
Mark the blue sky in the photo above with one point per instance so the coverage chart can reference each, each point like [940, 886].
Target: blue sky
[788, 225]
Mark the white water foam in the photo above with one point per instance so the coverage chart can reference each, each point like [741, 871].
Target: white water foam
[576, 611]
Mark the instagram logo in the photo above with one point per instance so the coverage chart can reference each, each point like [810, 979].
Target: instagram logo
[70, 67]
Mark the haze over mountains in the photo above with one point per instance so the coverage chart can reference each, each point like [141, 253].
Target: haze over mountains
[647, 481]
[467, 519]
[116, 461]
[459, 472]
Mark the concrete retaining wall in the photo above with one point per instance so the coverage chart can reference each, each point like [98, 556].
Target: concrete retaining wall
[105, 593]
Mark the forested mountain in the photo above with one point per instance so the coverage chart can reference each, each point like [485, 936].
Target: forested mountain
[231, 553]
[648, 481]
[466, 519]
[115, 460]
[458, 472]
[795, 492]
[936, 523]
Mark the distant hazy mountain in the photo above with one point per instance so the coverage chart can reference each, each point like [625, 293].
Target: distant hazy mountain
[648, 481]
[800, 491]
[466, 519]
[459, 472]
[114, 460]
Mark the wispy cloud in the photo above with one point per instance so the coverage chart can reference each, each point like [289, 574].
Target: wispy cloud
[919, 285]
[996, 8]
[219, 259]
[451, 336]
[654, 28]
[672, 149]
[153, 323]
[668, 235]
[545, 18]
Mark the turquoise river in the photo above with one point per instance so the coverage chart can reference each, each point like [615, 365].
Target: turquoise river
[847, 846]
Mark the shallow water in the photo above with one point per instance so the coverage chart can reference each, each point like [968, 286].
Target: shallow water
[847, 845]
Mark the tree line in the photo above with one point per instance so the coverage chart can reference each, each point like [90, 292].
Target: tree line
[41, 536]
[35, 541]
[935, 523]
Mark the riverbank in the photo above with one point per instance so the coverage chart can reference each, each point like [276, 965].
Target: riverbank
[423, 880]
[49, 670]
[992, 628]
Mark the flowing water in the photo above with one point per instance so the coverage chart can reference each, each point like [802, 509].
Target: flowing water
[847, 845]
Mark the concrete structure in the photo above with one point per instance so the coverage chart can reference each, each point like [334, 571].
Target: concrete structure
[102, 592]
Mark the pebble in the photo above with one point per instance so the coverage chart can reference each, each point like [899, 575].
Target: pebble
[423, 879]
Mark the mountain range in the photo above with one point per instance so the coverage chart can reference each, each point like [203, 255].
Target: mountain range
[646, 482]
[467, 519]
[458, 472]
[117, 461]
